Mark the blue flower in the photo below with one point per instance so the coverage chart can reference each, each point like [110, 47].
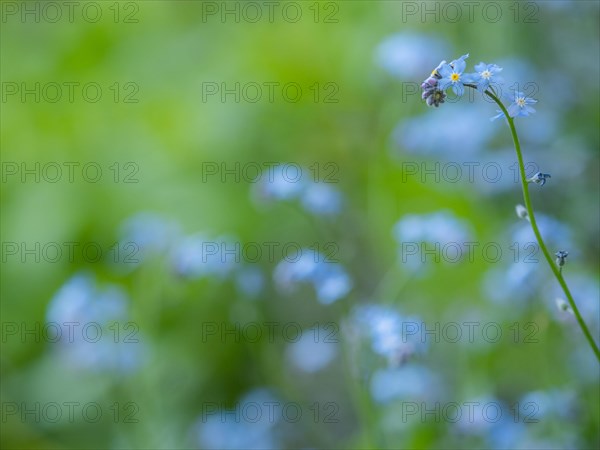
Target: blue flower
[452, 75]
[520, 106]
[486, 75]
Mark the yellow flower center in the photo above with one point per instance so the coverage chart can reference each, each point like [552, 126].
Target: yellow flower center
[521, 102]
[454, 77]
[486, 74]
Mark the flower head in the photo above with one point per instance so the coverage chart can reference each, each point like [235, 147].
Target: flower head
[452, 75]
[486, 75]
[431, 94]
[520, 106]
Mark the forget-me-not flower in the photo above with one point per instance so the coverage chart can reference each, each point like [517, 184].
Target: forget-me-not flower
[486, 75]
[453, 76]
[519, 107]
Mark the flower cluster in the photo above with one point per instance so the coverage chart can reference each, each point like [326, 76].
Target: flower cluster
[452, 75]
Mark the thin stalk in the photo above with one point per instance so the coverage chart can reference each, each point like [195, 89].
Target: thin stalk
[557, 271]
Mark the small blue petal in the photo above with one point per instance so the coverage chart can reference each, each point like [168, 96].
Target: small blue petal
[460, 66]
[458, 89]
[445, 70]
[444, 83]
[514, 110]
[481, 67]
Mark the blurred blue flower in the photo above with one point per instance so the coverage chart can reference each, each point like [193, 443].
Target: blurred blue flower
[477, 423]
[198, 256]
[506, 433]
[250, 281]
[555, 233]
[486, 75]
[440, 226]
[509, 284]
[440, 229]
[545, 130]
[242, 427]
[151, 234]
[322, 199]
[329, 279]
[408, 55]
[442, 134]
[388, 332]
[289, 273]
[410, 382]
[452, 75]
[313, 351]
[100, 311]
[281, 183]
[554, 403]
[586, 291]
[583, 364]
[331, 282]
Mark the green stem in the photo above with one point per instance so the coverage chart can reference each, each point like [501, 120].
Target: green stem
[555, 269]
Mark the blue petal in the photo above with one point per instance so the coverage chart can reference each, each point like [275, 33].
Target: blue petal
[481, 67]
[470, 78]
[497, 116]
[460, 66]
[444, 83]
[462, 58]
[445, 70]
[458, 89]
[514, 110]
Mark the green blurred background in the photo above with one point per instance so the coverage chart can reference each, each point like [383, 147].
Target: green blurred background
[359, 130]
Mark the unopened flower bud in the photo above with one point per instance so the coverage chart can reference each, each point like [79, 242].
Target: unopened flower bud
[521, 212]
[563, 305]
[429, 83]
[560, 257]
[540, 178]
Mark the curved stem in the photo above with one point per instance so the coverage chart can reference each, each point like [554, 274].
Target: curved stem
[553, 266]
